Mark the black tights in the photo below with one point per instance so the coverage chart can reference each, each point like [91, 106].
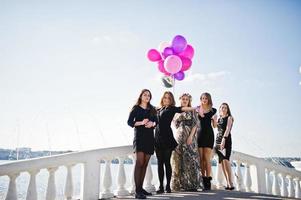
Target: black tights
[163, 157]
[140, 169]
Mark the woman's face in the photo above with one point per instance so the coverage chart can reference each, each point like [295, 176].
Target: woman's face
[145, 97]
[166, 100]
[224, 110]
[184, 101]
[204, 100]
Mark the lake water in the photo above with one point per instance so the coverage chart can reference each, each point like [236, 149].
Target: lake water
[60, 178]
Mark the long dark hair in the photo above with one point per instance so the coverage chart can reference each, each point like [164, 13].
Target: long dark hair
[228, 110]
[149, 105]
[172, 99]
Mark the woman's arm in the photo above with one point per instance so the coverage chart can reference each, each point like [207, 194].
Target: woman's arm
[187, 109]
[227, 132]
[214, 121]
[229, 126]
[191, 136]
[141, 123]
[153, 121]
[132, 119]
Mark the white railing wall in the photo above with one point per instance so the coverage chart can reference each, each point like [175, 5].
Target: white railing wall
[251, 174]
[262, 176]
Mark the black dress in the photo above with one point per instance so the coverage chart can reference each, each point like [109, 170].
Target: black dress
[206, 134]
[144, 137]
[164, 138]
[221, 127]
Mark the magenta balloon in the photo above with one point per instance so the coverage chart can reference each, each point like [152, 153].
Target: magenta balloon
[188, 52]
[173, 64]
[186, 63]
[153, 55]
[179, 76]
[167, 52]
[161, 68]
[179, 44]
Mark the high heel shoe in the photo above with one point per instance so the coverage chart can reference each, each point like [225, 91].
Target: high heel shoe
[146, 192]
[160, 191]
[140, 196]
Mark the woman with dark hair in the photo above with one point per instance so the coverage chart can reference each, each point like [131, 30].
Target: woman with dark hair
[208, 119]
[165, 142]
[185, 158]
[143, 119]
[224, 142]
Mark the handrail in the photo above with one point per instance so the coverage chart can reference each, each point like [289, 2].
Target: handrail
[260, 175]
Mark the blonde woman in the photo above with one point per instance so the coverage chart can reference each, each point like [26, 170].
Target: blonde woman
[208, 121]
[185, 158]
[165, 142]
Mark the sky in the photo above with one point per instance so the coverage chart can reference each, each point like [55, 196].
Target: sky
[70, 71]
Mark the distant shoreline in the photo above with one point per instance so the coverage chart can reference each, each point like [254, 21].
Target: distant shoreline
[27, 153]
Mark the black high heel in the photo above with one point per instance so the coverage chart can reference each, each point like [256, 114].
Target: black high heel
[140, 196]
[160, 191]
[146, 192]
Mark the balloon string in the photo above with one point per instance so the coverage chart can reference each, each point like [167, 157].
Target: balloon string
[174, 83]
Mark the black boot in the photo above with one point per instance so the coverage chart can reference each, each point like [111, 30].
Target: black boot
[205, 183]
[167, 188]
[209, 182]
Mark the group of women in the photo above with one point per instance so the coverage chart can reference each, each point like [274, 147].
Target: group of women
[185, 159]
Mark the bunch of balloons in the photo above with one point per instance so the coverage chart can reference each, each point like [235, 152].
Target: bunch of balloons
[173, 59]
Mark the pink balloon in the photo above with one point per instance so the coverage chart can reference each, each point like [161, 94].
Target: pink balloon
[153, 55]
[173, 64]
[186, 63]
[161, 68]
[188, 52]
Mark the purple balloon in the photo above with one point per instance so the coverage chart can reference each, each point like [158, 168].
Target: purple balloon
[179, 76]
[167, 52]
[179, 44]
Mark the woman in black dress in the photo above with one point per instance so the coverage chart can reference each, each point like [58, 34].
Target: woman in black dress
[143, 119]
[208, 120]
[224, 142]
[165, 142]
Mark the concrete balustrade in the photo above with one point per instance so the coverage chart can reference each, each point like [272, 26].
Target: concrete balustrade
[69, 183]
[251, 174]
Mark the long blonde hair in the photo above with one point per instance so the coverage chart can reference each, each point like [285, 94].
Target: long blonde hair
[206, 94]
[189, 97]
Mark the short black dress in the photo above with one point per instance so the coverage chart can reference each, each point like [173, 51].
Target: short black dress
[144, 137]
[221, 127]
[164, 138]
[206, 134]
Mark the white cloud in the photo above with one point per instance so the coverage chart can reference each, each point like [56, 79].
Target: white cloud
[118, 37]
[212, 76]
[197, 77]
